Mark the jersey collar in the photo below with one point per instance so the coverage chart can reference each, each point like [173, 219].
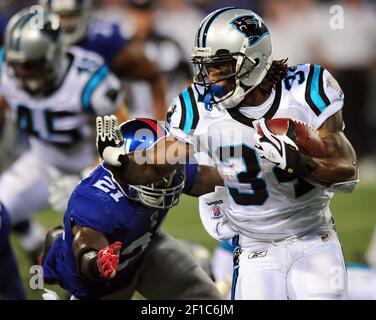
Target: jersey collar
[240, 117]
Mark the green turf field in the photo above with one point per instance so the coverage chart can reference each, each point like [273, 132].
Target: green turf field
[355, 216]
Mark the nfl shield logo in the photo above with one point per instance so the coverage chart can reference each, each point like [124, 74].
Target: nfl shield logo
[216, 212]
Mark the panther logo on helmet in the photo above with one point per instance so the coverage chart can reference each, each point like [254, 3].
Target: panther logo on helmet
[251, 27]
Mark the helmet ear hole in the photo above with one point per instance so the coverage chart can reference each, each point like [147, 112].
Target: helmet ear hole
[257, 61]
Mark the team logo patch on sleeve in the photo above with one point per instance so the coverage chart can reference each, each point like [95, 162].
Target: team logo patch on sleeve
[251, 27]
[333, 83]
[217, 211]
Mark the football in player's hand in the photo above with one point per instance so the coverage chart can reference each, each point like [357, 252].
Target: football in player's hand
[306, 138]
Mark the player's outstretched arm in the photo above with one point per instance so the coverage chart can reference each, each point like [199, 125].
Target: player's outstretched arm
[206, 181]
[140, 167]
[96, 258]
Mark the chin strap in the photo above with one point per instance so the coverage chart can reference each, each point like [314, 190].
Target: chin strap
[241, 90]
[236, 98]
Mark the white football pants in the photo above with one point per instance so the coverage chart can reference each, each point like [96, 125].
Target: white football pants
[311, 267]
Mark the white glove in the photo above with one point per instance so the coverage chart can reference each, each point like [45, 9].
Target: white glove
[271, 146]
[110, 142]
[213, 207]
[60, 188]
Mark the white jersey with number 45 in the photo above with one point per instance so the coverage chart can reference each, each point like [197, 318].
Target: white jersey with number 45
[61, 125]
[267, 203]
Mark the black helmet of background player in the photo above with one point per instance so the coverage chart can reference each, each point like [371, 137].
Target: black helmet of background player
[34, 50]
[74, 17]
[140, 134]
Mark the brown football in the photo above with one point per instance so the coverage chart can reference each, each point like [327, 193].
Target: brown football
[306, 138]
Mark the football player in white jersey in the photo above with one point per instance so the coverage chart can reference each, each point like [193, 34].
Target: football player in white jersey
[54, 95]
[277, 200]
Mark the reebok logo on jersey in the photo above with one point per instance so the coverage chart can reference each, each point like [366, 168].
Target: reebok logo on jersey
[257, 254]
[214, 202]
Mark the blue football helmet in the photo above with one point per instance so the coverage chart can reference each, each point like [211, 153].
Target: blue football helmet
[140, 134]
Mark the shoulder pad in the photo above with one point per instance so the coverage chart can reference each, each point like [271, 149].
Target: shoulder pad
[85, 60]
[183, 112]
[312, 85]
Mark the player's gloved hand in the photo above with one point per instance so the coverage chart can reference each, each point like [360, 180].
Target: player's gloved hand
[110, 142]
[279, 149]
[108, 260]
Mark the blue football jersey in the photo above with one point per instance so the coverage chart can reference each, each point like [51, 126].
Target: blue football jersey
[99, 203]
[104, 38]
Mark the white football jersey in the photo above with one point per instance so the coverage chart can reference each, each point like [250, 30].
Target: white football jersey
[61, 125]
[267, 203]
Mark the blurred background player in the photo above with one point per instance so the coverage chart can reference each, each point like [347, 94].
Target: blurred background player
[140, 25]
[126, 59]
[113, 244]
[11, 287]
[54, 95]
